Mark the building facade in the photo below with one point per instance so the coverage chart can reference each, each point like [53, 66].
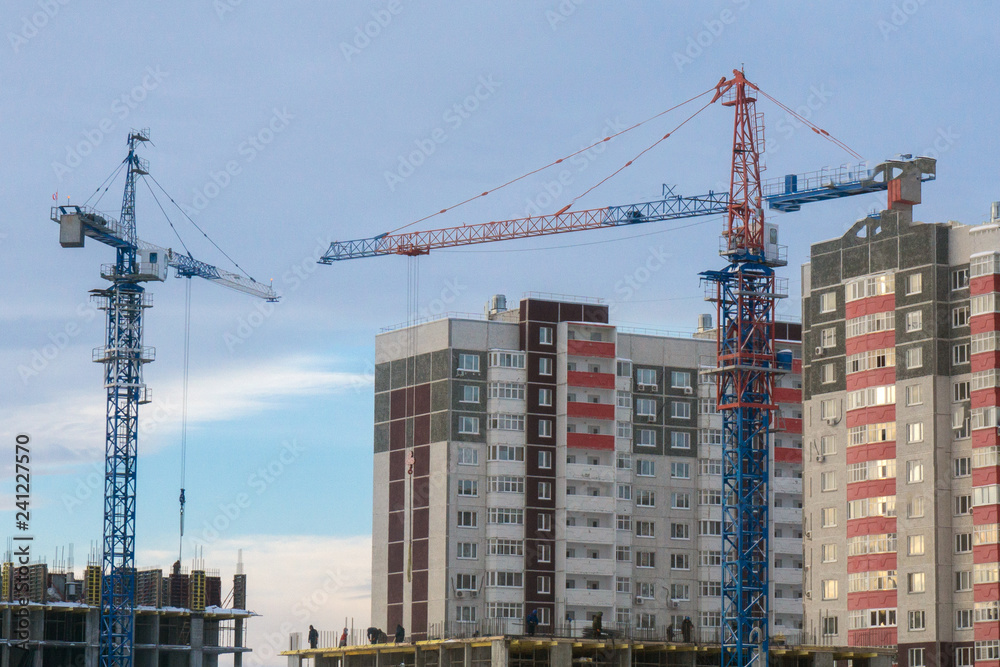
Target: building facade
[901, 331]
[543, 458]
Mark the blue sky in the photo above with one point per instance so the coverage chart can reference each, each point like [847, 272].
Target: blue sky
[283, 126]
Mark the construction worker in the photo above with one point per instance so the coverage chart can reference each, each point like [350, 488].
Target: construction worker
[400, 634]
[686, 627]
[343, 638]
[313, 637]
[595, 625]
[531, 622]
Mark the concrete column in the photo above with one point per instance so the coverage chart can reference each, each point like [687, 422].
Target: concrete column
[880, 661]
[418, 657]
[37, 630]
[686, 658]
[197, 641]
[499, 653]
[444, 657]
[5, 615]
[293, 661]
[561, 655]
[238, 642]
[624, 656]
[467, 659]
[92, 633]
[824, 659]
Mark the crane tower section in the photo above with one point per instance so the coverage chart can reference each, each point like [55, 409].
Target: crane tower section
[745, 293]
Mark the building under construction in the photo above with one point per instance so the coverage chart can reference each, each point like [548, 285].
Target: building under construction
[181, 617]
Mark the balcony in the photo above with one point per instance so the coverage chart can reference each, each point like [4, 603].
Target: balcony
[582, 471]
[786, 575]
[587, 503]
[786, 515]
[597, 567]
[786, 605]
[586, 348]
[576, 597]
[591, 410]
[590, 441]
[595, 380]
[792, 485]
[585, 535]
[787, 545]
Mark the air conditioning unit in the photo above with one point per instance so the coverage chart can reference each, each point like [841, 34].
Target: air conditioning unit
[688, 390]
[809, 534]
[459, 594]
[638, 600]
[820, 458]
[819, 351]
[473, 594]
[674, 604]
[809, 595]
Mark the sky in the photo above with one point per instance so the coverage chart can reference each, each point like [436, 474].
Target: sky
[280, 127]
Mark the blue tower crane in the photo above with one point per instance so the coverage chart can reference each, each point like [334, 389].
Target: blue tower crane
[123, 356]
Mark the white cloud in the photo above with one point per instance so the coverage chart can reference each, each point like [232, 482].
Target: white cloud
[293, 582]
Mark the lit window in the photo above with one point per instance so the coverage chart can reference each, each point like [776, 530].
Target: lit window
[959, 279]
[915, 432]
[831, 589]
[914, 395]
[915, 545]
[828, 337]
[960, 316]
[828, 302]
[914, 321]
[914, 357]
[914, 284]
[828, 481]
[829, 517]
[829, 552]
[914, 472]
[827, 373]
[916, 582]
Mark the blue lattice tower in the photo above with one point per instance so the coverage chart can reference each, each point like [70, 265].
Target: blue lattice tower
[123, 357]
[745, 293]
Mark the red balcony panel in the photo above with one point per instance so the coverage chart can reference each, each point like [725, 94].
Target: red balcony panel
[986, 592]
[983, 361]
[871, 599]
[786, 395]
[874, 415]
[986, 553]
[873, 525]
[985, 476]
[590, 348]
[872, 378]
[871, 562]
[871, 489]
[788, 455]
[984, 284]
[595, 380]
[986, 514]
[871, 452]
[985, 630]
[874, 637]
[984, 437]
[797, 366]
[590, 410]
[985, 322]
[873, 304]
[789, 425]
[872, 341]
[590, 441]
[984, 398]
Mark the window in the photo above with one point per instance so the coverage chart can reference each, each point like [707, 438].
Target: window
[544, 522]
[680, 592]
[624, 399]
[506, 516]
[829, 517]
[623, 429]
[465, 582]
[828, 481]
[646, 378]
[710, 619]
[624, 368]
[914, 284]
[986, 495]
[707, 406]
[623, 584]
[828, 337]
[468, 363]
[503, 579]
[959, 279]
[624, 492]
[644, 529]
[645, 468]
[914, 395]
[680, 470]
[829, 553]
[645, 436]
[624, 461]
[827, 373]
[506, 359]
[645, 407]
[915, 432]
[963, 466]
[513, 390]
[645, 559]
[914, 472]
[544, 428]
[470, 394]
[963, 505]
[545, 366]
[960, 354]
[544, 553]
[467, 550]
[465, 614]
[914, 320]
[915, 508]
[964, 656]
[960, 391]
[468, 456]
[710, 589]
[709, 558]
[680, 379]
[963, 581]
[915, 582]
[623, 553]
[545, 459]
[914, 357]
[963, 543]
[915, 545]
[960, 316]
[468, 487]
[467, 519]
[709, 497]
[829, 626]
[710, 466]
[710, 436]
[680, 561]
[680, 440]
[506, 610]
[543, 585]
[545, 397]
[828, 302]
[866, 324]
[917, 620]
[645, 498]
[499, 546]
[963, 619]
[873, 359]
[545, 335]
[827, 445]
[987, 611]
[915, 657]
[988, 649]
[828, 409]
[709, 528]
[680, 410]
[623, 522]
[831, 589]
[545, 490]
[505, 453]
[983, 303]
[468, 425]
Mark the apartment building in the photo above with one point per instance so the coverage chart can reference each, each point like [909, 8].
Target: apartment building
[539, 457]
[902, 346]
